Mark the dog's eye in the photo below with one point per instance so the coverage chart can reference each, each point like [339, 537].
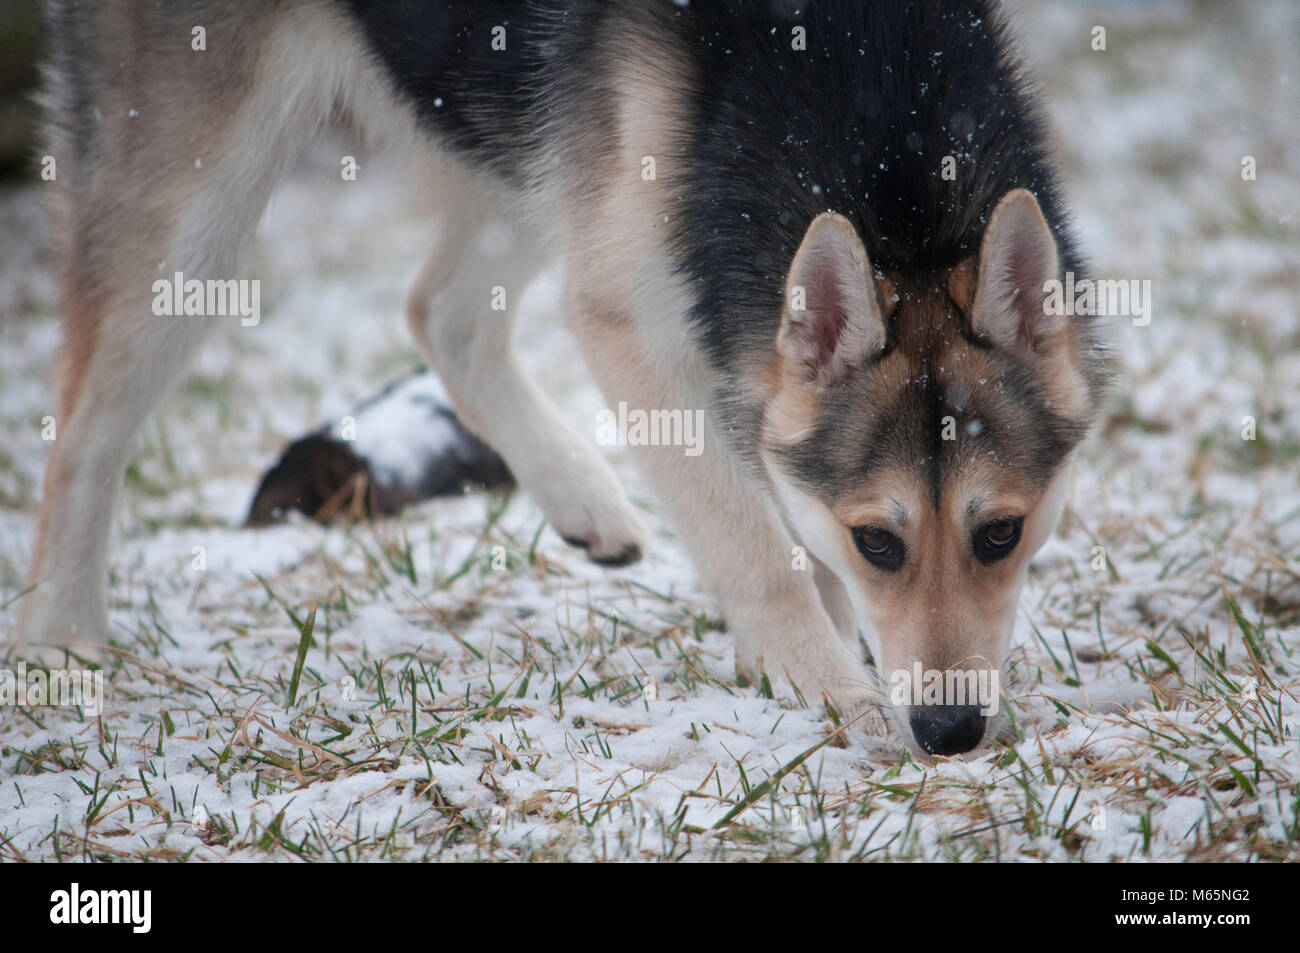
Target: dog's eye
[881, 548]
[994, 540]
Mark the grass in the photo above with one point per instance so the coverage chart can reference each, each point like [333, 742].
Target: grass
[496, 745]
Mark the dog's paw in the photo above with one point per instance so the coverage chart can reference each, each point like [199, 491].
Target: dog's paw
[604, 555]
[839, 683]
[610, 539]
[869, 718]
[593, 514]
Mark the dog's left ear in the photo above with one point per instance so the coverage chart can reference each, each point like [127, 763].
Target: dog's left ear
[1017, 258]
[832, 318]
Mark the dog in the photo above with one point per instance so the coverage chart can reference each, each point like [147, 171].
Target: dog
[826, 225]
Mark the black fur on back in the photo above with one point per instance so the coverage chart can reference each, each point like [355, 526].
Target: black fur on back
[858, 123]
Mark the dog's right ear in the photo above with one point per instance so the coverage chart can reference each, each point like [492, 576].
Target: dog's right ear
[832, 319]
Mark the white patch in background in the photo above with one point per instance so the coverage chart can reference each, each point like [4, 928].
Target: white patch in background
[399, 433]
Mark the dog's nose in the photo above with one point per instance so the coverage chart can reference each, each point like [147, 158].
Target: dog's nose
[947, 729]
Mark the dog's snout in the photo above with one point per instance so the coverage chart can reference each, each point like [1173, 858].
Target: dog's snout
[947, 729]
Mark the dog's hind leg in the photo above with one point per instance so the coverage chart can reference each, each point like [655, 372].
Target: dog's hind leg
[461, 312]
[165, 168]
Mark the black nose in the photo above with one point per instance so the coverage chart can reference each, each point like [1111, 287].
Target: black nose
[947, 729]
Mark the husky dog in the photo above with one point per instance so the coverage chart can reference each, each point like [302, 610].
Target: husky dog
[825, 224]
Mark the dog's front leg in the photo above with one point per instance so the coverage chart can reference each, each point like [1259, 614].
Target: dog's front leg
[774, 608]
[728, 520]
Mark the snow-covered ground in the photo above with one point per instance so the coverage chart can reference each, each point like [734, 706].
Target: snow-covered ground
[451, 708]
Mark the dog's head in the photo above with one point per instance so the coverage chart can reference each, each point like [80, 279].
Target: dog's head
[919, 438]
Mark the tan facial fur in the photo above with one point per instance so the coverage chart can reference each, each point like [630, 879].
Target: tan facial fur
[944, 432]
[944, 608]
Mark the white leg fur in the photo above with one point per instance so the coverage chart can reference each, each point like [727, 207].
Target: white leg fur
[485, 252]
[135, 358]
[737, 539]
[68, 605]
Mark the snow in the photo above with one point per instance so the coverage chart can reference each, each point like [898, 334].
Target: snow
[399, 432]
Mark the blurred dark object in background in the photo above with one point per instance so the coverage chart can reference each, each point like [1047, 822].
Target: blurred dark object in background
[19, 55]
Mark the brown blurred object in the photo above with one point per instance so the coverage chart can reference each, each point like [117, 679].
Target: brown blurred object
[19, 55]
